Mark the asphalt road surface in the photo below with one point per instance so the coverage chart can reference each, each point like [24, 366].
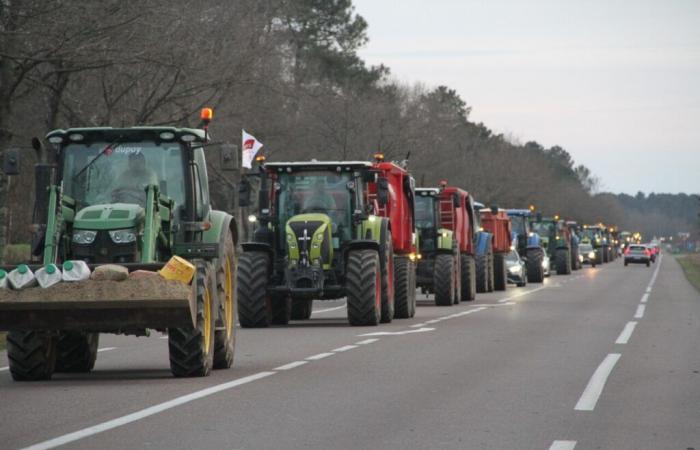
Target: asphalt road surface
[607, 358]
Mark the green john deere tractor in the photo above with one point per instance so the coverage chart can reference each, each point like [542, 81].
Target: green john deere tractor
[556, 240]
[317, 237]
[133, 197]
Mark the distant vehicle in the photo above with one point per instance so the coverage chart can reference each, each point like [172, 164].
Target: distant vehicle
[517, 272]
[588, 254]
[654, 249]
[638, 254]
[546, 265]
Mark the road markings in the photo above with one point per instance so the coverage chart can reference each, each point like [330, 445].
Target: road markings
[640, 312]
[319, 311]
[626, 333]
[291, 365]
[595, 386]
[2, 369]
[397, 333]
[147, 412]
[451, 316]
[344, 348]
[106, 349]
[645, 297]
[319, 356]
[367, 341]
[563, 445]
[648, 289]
[507, 299]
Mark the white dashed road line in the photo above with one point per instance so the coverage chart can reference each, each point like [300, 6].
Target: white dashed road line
[367, 341]
[319, 356]
[645, 297]
[595, 386]
[344, 348]
[626, 333]
[640, 312]
[397, 333]
[291, 365]
[106, 349]
[563, 445]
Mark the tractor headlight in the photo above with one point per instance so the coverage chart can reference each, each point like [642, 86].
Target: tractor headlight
[445, 234]
[514, 269]
[252, 218]
[591, 255]
[123, 236]
[84, 237]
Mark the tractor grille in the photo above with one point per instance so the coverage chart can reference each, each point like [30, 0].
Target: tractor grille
[104, 250]
[310, 227]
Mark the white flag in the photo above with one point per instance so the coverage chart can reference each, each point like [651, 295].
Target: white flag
[250, 149]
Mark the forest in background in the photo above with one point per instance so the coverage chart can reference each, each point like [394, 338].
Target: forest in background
[288, 72]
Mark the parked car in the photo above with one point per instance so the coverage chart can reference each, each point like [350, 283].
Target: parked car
[588, 254]
[517, 271]
[638, 254]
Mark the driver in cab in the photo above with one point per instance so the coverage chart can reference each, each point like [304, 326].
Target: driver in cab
[320, 200]
[134, 179]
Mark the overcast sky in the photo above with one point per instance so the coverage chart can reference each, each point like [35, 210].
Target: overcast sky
[616, 83]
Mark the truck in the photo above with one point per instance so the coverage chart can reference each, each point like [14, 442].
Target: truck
[497, 223]
[528, 244]
[134, 197]
[445, 220]
[318, 236]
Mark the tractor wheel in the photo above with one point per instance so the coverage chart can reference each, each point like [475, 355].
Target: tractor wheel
[301, 309]
[500, 278]
[468, 269]
[76, 351]
[563, 262]
[254, 303]
[31, 354]
[281, 310]
[574, 260]
[386, 257]
[225, 333]
[363, 287]
[482, 273]
[606, 258]
[404, 288]
[192, 348]
[444, 280]
[535, 271]
[490, 275]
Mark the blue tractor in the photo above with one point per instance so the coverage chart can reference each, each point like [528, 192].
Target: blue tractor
[528, 243]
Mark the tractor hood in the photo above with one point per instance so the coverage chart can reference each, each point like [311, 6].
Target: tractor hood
[109, 217]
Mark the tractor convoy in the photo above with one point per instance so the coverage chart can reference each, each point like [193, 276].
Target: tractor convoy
[131, 207]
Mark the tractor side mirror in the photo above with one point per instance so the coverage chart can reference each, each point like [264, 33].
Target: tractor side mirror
[494, 209]
[10, 162]
[382, 191]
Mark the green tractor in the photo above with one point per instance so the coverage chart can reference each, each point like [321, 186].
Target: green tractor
[317, 237]
[133, 197]
[556, 240]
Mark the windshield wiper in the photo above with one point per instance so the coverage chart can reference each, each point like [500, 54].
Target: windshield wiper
[102, 152]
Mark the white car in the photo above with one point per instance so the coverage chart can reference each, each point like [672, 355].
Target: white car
[545, 265]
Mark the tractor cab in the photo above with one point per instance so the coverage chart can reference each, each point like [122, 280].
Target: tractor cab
[427, 219]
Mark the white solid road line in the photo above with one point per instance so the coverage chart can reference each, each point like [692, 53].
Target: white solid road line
[563, 445]
[2, 369]
[640, 312]
[367, 341]
[319, 356]
[645, 297]
[144, 413]
[319, 311]
[450, 316]
[291, 365]
[396, 333]
[344, 348]
[595, 386]
[106, 349]
[503, 300]
[626, 333]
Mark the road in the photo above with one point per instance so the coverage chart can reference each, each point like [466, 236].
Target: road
[608, 358]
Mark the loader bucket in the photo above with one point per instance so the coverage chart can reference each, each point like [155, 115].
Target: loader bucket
[106, 306]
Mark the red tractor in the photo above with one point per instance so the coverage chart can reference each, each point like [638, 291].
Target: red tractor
[393, 194]
[445, 220]
[497, 223]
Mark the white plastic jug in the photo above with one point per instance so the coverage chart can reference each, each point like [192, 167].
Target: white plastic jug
[3, 279]
[75, 270]
[48, 275]
[21, 277]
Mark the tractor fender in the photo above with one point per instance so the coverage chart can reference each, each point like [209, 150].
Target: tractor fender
[445, 240]
[362, 244]
[483, 238]
[373, 228]
[534, 240]
[221, 223]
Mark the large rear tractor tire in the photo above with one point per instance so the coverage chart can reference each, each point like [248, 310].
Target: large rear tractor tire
[468, 281]
[301, 309]
[444, 281]
[482, 272]
[563, 261]
[254, 303]
[404, 288]
[76, 351]
[32, 355]
[192, 348]
[363, 286]
[386, 256]
[490, 276]
[500, 278]
[225, 333]
[535, 271]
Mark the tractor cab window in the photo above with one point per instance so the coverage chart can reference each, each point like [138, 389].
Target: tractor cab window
[544, 228]
[98, 173]
[426, 222]
[519, 225]
[317, 192]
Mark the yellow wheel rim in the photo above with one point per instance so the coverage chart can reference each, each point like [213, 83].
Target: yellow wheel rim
[206, 326]
[228, 300]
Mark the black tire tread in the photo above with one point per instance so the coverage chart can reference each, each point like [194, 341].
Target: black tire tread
[252, 290]
[361, 279]
[443, 280]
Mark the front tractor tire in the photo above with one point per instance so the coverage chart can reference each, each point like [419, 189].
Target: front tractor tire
[535, 271]
[468, 281]
[254, 303]
[563, 261]
[31, 354]
[386, 256]
[500, 278]
[363, 286]
[192, 348]
[76, 351]
[444, 279]
[404, 288]
[225, 334]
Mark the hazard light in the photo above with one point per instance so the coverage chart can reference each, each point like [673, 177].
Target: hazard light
[206, 115]
[260, 158]
[379, 157]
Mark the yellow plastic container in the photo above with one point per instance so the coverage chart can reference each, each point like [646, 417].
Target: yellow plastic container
[178, 269]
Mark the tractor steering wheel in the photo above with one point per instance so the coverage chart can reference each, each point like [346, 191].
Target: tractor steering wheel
[128, 195]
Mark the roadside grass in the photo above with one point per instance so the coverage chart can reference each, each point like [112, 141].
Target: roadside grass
[16, 254]
[691, 267]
